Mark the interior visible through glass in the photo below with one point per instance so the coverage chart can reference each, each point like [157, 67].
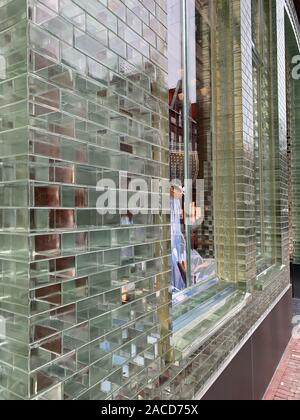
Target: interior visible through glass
[202, 298]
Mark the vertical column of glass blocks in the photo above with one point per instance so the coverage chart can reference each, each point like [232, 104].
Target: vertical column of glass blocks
[280, 125]
[263, 135]
[14, 202]
[205, 235]
[295, 172]
[94, 295]
[291, 49]
[233, 140]
[246, 201]
[223, 134]
[293, 104]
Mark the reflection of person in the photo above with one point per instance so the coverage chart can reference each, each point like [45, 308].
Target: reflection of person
[127, 252]
[126, 219]
[176, 214]
[176, 234]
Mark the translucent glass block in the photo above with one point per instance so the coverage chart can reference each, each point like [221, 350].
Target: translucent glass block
[50, 21]
[74, 105]
[52, 4]
[12, 12]
[73, 58]
[13, 90]
[100, 12]
[117, 45]
[97, 30]
[74, 14]
[43, 42]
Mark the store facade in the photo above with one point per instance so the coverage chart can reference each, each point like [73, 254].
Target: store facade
[109, 111]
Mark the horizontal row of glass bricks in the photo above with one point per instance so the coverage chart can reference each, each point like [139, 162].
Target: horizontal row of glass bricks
[15, 38]
[89, 319]
[87, 98]
[68, 15]
[128, 350]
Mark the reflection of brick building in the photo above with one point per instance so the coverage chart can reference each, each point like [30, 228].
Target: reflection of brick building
[176, 137]
[200, 132]
[290, 140]
[203, 118]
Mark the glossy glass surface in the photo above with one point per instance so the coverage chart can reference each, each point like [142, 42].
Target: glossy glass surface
[84, 293]
[85, 302]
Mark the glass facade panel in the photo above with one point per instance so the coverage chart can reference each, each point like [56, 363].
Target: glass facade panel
[263, 136]
[202, 295]
[101, 104]
[293, 127]
[84, 119]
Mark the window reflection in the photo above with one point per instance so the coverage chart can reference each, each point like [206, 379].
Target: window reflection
[204, 291]
[192, 225]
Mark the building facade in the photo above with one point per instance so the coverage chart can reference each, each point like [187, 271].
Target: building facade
[101, 101]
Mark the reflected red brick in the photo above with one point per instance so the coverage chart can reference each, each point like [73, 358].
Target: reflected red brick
[80, 197]
[65, 174]
[50, 294]
[47, 243]
[64, 219]
[46, 196]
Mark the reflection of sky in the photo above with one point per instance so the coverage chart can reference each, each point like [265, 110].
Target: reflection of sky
[174, 41]
[192, 50]
[175, 45]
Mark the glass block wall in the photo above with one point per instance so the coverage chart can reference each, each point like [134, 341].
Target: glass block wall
[233, 147]
[84, 302]
[234, 190]
[265, 188]
[295, 167]
[293, 107]
[84, 295]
